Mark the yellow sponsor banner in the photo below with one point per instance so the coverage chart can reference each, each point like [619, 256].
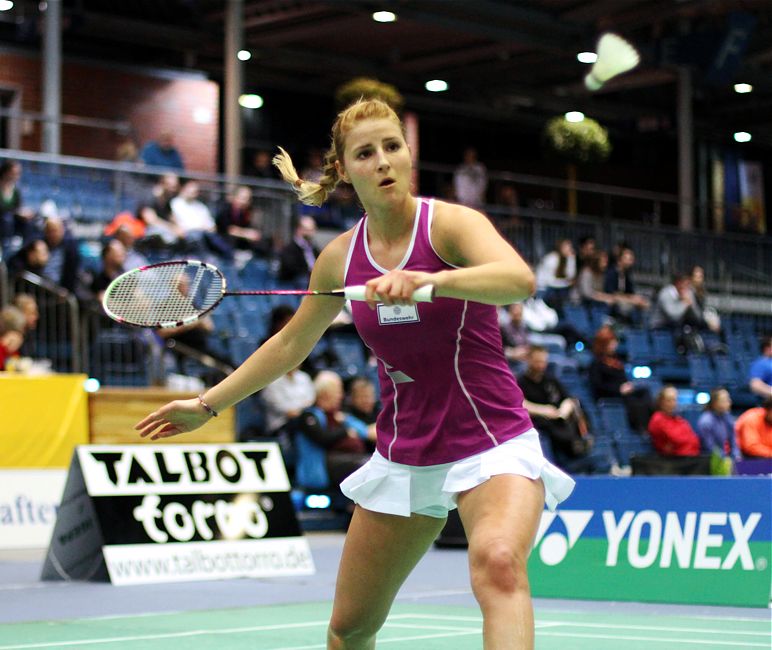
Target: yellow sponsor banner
[42, 419]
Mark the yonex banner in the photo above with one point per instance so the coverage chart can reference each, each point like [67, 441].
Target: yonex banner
[674, 540]
[144, 513]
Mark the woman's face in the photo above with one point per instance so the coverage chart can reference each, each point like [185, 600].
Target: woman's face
[376, 161]
[669, 401]
[698, 275]
[566, 248]
[723, 402]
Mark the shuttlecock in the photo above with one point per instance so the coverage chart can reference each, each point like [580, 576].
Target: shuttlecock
[615, 56]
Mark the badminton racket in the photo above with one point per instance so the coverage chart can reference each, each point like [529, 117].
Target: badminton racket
[172, 294]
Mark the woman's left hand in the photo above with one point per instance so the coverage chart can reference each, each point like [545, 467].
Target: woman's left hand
[396, 287]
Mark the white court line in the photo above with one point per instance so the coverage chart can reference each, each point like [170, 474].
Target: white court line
[169, 635]
[740, 644]
[385, 641]
[656, 628]
[430, 594]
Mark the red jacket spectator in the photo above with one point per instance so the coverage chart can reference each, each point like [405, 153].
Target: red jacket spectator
[671, 434]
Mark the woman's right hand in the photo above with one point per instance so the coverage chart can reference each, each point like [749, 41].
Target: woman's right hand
[627, 388]
[175, 417]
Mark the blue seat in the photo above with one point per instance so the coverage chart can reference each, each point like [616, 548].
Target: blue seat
[702, 374]
[577, 316]
[348, 350]
[639, 349]
[670, 365]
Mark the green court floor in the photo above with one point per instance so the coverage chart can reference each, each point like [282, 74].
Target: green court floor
[302, 627]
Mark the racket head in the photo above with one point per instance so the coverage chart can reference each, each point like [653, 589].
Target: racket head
[167, 294]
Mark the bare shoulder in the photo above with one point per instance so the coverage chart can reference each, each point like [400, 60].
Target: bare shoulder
[453, 215]
[456, 228]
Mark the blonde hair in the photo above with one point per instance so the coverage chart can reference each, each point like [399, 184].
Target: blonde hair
[312, 193]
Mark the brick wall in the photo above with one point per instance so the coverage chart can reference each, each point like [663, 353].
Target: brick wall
[150, 103]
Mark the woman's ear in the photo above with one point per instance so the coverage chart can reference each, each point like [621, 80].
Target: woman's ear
[341, 172]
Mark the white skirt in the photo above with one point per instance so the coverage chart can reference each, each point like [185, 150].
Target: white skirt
[392, 488]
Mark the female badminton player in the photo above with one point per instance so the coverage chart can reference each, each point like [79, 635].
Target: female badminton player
[453, 431]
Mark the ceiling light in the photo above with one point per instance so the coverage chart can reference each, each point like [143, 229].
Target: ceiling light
[6, 5]
[244, 55]
[587, 57]
[742, 136]
[384, 16]
[251, 101]
[436, 86]
[574, 116]
[743, 88]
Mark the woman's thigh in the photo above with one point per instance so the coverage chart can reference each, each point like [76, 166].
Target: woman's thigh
[379, 553]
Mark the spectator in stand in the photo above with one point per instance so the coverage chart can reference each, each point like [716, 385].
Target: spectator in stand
[587, 249]
[32, 257]
[262, 167]
[325, 425]
[557, 415]
[362, 404]
[754, 431]
[297, 258]
[608, 380]
[700, 291]
[12, 326]
[760, 374]
[142, 224]
[556, 273]
[470, 180]
[591, 280]
[194, 219]
[619, 283]
[676, 309]
[514, 332]
[162, 152]
[671, 434]
[63, 266]
[716, 426]
[126, 151]
[15, 219]
[134, 259]
[234, 221]
[286, 397]
[113, 264]
[28, 306]
[166, 187]
[508, 203]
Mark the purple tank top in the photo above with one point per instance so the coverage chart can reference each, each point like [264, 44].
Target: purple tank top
[447, 392]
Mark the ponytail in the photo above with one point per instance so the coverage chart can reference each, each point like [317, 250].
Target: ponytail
[308, 192]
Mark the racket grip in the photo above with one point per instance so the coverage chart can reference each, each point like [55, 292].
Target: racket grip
[357, 292]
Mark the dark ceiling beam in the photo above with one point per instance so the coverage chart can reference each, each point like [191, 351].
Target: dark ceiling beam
[278, 36]
[311, 61]
[494, 32]
[507, 10]
[456, 57]
[127, 30]
[266, 19]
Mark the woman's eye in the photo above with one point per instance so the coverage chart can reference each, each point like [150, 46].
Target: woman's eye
[363, 154]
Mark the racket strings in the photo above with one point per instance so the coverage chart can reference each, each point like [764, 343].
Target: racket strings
[165, 294]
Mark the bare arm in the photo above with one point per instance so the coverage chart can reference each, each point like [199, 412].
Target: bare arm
[760, 387]
[282, 352]
[490, 270]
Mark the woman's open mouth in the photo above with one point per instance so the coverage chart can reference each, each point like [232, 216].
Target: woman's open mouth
[387, 182]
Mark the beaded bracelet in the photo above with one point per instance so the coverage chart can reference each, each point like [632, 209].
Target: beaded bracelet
[207, 408]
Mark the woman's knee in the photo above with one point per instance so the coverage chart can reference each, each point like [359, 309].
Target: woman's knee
[498, 566]
[349, 629]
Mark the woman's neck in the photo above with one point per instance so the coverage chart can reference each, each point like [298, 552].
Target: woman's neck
[392, 222]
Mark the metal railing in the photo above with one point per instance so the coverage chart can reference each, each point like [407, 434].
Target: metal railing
[57, 335]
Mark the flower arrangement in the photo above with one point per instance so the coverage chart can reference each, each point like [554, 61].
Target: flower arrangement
[580, 142]
[368, 88]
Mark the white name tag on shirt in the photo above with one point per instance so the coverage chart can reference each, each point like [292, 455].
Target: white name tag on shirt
[397, 314]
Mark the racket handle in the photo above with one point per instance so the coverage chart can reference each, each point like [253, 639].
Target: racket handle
[424, 294]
